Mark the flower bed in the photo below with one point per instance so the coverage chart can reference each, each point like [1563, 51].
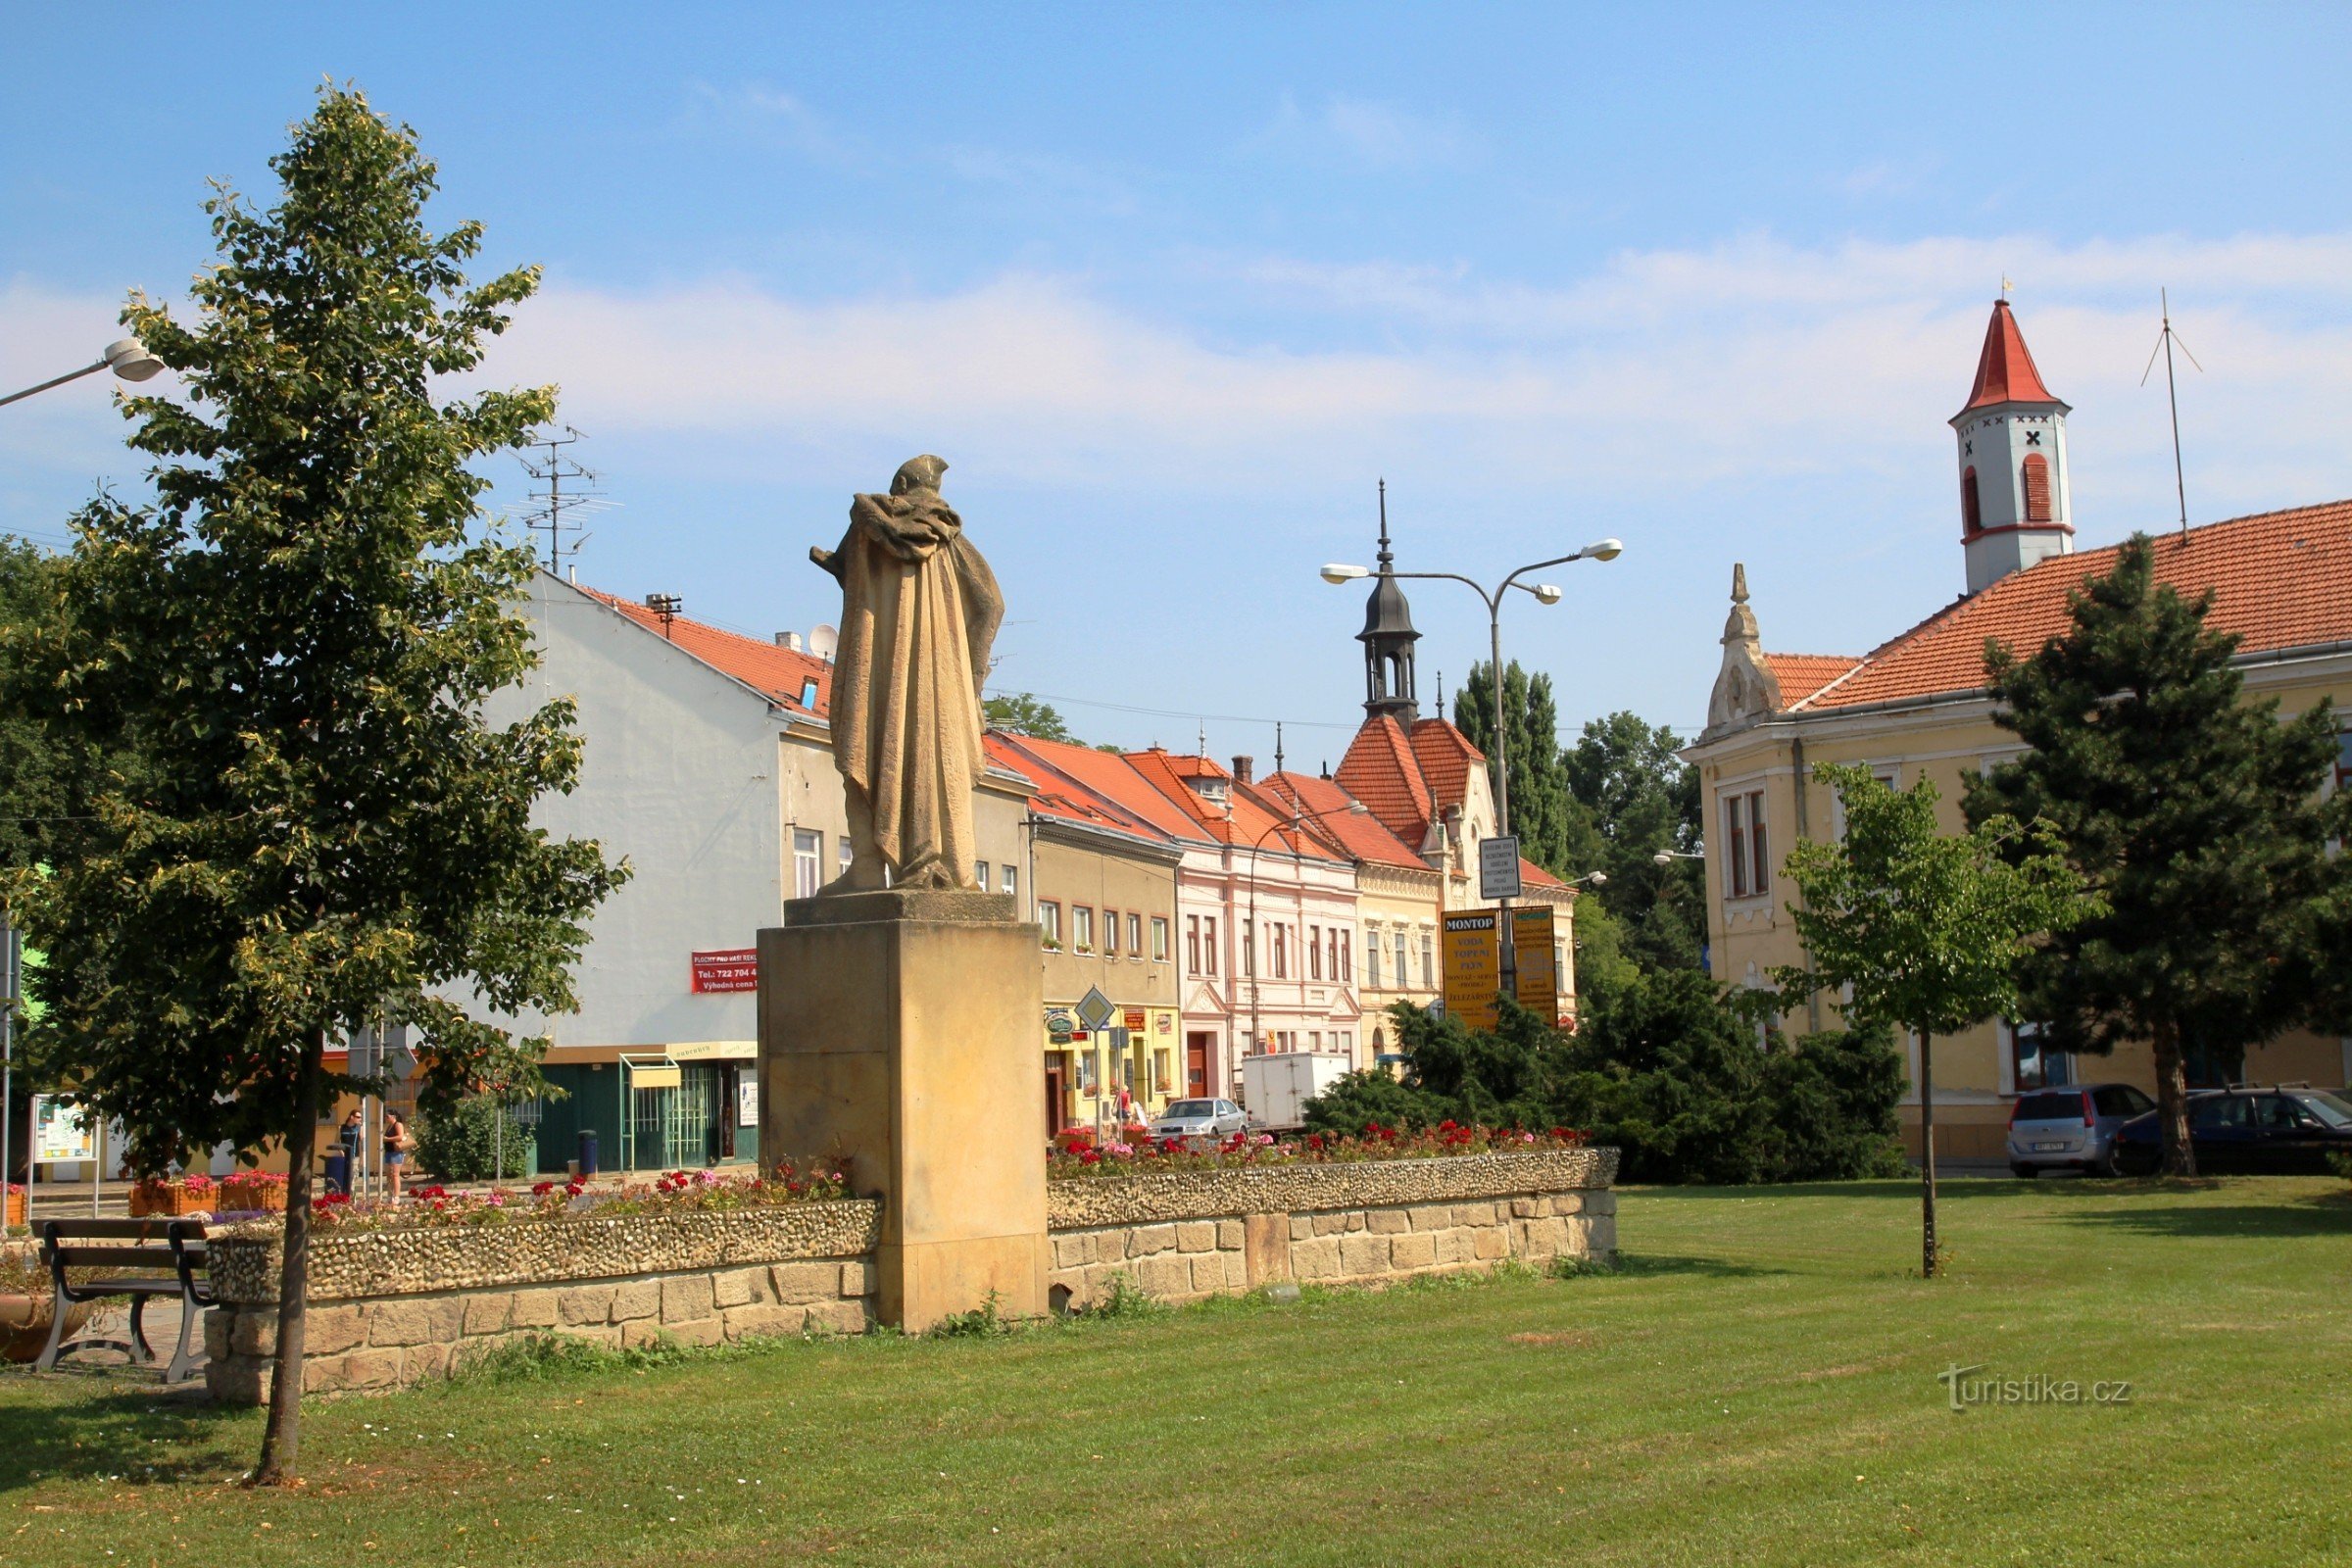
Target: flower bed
[1074, 1157]
[677, 1191]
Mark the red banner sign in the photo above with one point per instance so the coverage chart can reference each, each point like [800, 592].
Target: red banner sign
[733, 969]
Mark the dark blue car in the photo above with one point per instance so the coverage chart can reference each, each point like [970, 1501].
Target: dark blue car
[2248, 1131]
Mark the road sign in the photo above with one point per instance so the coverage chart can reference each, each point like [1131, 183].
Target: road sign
[1095, 1010]
[1473, 966]
[1498, 866]
[1533, 943]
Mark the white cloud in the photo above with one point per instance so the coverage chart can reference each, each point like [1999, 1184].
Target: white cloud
[1366, 133]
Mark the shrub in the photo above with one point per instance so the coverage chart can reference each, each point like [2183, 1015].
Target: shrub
[462, 1145]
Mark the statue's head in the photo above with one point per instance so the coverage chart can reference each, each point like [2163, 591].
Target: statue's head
[918, 473]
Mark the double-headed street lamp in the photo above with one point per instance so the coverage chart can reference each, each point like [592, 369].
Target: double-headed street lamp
[127, 357]
[1543, 593]
[1250, 934]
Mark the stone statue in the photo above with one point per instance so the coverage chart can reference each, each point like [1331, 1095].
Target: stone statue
[919, 610]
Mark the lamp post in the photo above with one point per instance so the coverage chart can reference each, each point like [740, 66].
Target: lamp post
[1250, 927]
[127, 357]
[1543, 593]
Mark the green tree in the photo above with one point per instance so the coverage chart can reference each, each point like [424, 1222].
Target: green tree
[1022, 714]
[1642, 800]
[1538, 787]
[1928, 928]
[302, 632]
[2197, 814]
[476, 1140]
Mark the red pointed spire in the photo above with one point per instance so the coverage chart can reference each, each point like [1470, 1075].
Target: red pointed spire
[2005, 370]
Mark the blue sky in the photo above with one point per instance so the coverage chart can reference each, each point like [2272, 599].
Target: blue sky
[1171, 288]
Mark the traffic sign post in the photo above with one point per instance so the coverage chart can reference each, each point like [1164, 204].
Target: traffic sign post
[1498, 866]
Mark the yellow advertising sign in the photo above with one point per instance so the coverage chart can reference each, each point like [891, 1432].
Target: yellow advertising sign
[1473, 966]
[1538, 962]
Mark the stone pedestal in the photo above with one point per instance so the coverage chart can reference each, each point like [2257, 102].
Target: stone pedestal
[900, 1031]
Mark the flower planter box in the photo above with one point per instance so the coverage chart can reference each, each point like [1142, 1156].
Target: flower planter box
[15, 1207]
[245, 1192]
[168, 1199]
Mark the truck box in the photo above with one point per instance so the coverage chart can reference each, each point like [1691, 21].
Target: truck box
[1276, 1086]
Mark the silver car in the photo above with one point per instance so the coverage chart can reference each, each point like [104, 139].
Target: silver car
[1200, 1118]
[2072, 1128]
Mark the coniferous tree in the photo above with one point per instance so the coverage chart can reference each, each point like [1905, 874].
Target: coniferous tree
[2198, 815]
[300, 634]
[1539, 786]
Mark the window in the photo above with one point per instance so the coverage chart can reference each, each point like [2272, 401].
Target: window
[1314, 1039]
[1159, 942]
[1429, 962]
[1282, 954]
[1747, 867]
[1192, 944]
[1347, 954]
[1012, 882]
[2034, 1064]
[2343, 759]
[1048, 921]
[808, 861]
[1402, 979]
[1208, 942]
[980, 876]
[847, 855]
[1335, 954]
[1314, 953]
[1110, 933]
[1972, 516]
[1135, 938]
[1250, 949]
[1082, 928]
[1372, 957]
[2037, 476]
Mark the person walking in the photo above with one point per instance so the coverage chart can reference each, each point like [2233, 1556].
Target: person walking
[398, 1141]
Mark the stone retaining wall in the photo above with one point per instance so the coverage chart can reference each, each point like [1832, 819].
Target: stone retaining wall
[391, 1308]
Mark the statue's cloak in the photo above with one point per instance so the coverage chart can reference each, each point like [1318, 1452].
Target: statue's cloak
[919, 613]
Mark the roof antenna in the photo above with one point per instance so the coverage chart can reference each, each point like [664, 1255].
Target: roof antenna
[2164, 342]
[553, 509]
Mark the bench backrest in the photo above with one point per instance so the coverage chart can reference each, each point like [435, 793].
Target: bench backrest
[86, 1238]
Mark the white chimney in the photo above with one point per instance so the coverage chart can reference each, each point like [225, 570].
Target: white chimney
[789, 640]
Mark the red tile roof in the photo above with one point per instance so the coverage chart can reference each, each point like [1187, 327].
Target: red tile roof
[2005, 370]
[1247, 819]
[780, 672]
[1380, 771]
[2280, 579]
[1802, 674]
[1062, 777]
[1445, 756]
[1361, 837]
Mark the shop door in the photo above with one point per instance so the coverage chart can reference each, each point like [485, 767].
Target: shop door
[1196, 1065]
[1053, 1099]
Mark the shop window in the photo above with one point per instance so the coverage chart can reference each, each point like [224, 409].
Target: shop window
[1159, 941]
[1082, 928]
[808, 861]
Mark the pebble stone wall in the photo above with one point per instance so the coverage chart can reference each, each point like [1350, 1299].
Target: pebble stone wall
[393, 1308]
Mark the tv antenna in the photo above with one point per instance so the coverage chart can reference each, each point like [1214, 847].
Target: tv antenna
[2164, 344]
[570, 493]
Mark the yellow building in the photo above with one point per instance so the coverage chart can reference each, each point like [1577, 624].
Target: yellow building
[1917, 707]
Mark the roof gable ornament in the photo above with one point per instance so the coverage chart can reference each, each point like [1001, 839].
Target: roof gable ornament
[1745, 687]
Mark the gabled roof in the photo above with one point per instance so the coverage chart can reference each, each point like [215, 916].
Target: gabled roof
[1247, 817]
[781, 674]
[1802, 674]
[2280, 579]
[1056, 789]
[2005, 372]
[1111, 777]
[1445, 756]
[1361, 837]
[1380, 771]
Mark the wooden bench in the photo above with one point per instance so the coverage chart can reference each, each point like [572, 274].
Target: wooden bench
[145, 1246]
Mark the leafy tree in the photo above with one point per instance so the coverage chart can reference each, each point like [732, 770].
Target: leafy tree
[1642, 800]
[1539, 788]
[1022, 714]
[302, 632]
[476, 1140]
[1926, 928]
[2197, 814]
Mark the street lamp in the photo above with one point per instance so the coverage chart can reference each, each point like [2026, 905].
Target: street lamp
[127, 357]
[1249, 942]
[1669, 857]
[1597, 878]
[1543, 593]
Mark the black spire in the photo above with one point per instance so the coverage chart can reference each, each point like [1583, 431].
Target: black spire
[1389, 637]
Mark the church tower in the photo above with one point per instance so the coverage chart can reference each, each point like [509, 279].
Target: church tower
[2015, 508]
[1388, 638]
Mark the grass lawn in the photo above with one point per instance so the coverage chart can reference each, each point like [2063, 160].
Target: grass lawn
[1758, 1386]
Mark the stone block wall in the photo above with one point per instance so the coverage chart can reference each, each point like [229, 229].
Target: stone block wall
[1186, 1260]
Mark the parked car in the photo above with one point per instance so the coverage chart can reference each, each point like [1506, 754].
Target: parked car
[2070, 1129]
[2282, 1128]
[1200, 1118]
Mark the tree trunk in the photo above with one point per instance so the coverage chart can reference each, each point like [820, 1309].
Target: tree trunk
[2172, 1101]
[1926, 1155]
[282, 1439]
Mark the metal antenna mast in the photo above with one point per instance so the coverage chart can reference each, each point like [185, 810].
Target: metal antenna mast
[555, 510]
[2164, 344]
